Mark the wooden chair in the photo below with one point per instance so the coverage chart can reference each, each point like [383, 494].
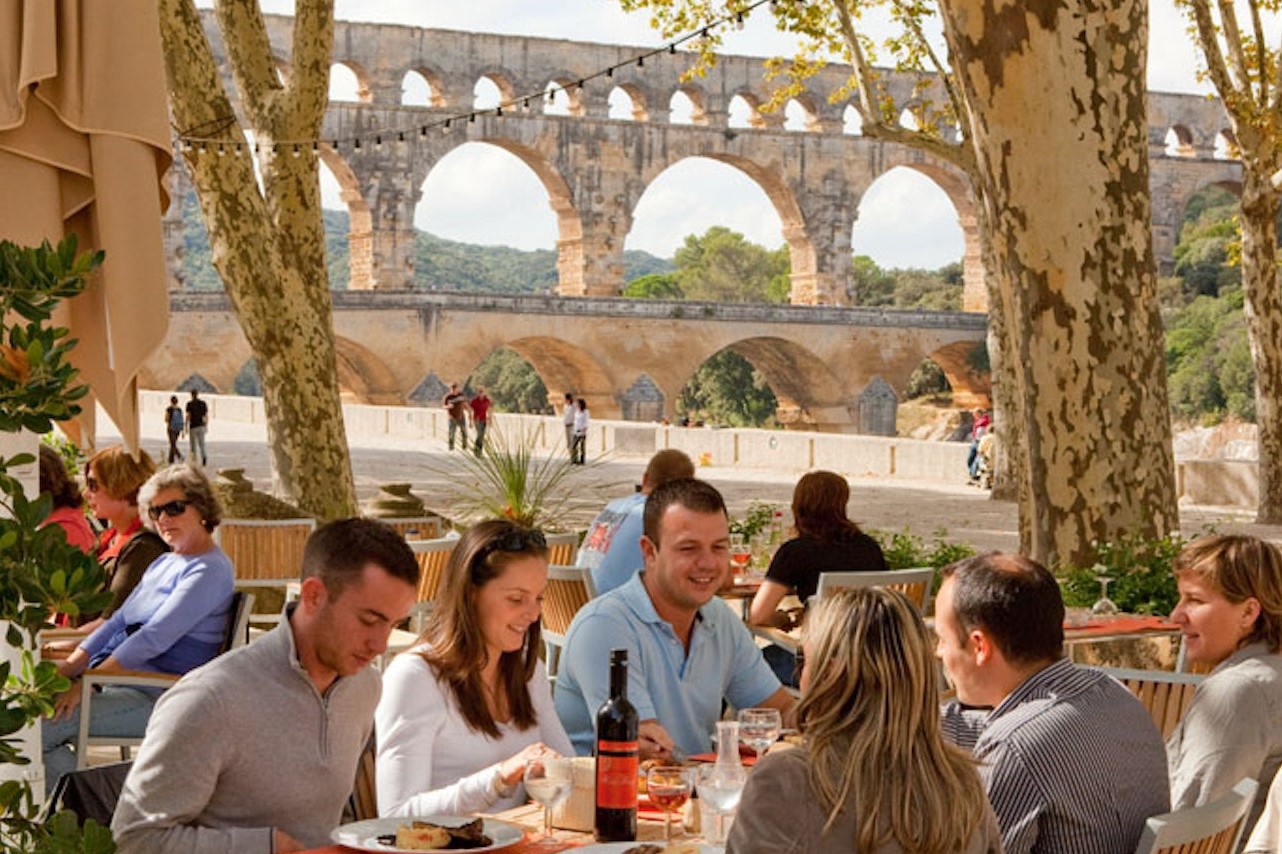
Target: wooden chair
[914, 583]
[363, 803]
[432, 556]
[420, 528]
[563, 547]
[237, 635]
[1166, 695]
[265, 552]
[569, 589]
[1214, 828]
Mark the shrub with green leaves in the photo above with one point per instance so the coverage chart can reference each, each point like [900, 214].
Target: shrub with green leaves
[1140, 569]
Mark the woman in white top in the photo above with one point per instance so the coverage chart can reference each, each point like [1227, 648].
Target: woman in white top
[466, 708]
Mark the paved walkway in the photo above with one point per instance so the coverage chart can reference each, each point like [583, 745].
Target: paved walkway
[962, 512]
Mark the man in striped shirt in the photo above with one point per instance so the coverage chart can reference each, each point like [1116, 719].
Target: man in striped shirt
[1072, 763]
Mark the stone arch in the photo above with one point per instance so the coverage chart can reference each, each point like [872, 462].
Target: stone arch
[1179, 142]
[971, 387]
[364, 94]
[640, 111]
[364, 376]
[957, 187]
[566, 87]
[502, 81]
[360, 223]
[698, 103]
[810, 395]
[852, 123]
[801, 248]
[810, 120]
[755, 118]
[1226, 147]
[565, 367]
[436, 89]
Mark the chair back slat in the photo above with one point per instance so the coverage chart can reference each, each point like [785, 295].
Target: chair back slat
[242, 605]
[432, 556]
[1166, 695]
[562, 547]
[265, 550]
[569, 589]
[364, 801]
[914, 583]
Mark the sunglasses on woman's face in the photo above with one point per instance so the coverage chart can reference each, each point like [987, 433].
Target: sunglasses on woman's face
[173, 509]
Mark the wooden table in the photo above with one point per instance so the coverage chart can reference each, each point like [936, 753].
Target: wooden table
[530, 817]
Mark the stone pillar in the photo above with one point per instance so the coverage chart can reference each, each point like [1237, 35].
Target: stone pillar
[593, 227]
[386, 256]
[974, 288]
[876, 408]
[178, 185]
[820, 246]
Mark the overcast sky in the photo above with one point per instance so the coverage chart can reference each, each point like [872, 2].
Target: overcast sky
[483, 195]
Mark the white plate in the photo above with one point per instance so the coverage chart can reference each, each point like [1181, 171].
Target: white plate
[363, 835]
[620, 847]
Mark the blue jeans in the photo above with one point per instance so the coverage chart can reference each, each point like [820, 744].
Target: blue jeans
[458, 425]
[117, 710]
[195, 442]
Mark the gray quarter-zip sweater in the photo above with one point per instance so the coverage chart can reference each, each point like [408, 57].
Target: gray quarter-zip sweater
[242, 746]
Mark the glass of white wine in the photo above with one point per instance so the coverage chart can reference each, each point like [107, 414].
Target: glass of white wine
[548, 782]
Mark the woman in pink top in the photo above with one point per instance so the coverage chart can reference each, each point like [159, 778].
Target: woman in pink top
[68, 504]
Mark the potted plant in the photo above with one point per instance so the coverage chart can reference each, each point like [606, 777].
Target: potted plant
[39, 572]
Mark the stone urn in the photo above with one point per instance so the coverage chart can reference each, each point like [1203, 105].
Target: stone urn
[395, 501]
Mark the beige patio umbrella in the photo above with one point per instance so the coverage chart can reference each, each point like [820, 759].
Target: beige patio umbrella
[84, 146]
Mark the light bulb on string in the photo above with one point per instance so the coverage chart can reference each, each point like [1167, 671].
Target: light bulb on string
[315, 148]
[356, 145]
[297, 153]
[221, 150]
[640, 62]
[378, 143]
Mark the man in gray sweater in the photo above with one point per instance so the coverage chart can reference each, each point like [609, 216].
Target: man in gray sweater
[256, 752]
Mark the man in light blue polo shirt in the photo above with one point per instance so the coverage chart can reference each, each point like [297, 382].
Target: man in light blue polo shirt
[612, 546]
[687, 650]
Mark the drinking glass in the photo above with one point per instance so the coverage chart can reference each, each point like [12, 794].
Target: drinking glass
[759, 728]
[720, 787]
[1104, 606]
[669, 788]
[740, 553]
[548, 783]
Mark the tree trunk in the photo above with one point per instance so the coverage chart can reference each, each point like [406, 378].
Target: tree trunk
[270, 250]
[1057, 101]
[1008, 471]
[1263, 305]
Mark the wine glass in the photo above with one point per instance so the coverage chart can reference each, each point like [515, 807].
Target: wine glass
[740, 553]
[759, 728]
[1104, 606]
[669, 788]
[548, 782]
[720, 787]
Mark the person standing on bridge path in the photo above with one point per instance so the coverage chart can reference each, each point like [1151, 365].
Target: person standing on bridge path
[197, 425]
[175, 424]
[480, 406]
[455, 403]
[579, 450]
[567, 415]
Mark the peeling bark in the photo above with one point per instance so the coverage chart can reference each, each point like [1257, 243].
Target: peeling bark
[1055, 93]
[269, 246]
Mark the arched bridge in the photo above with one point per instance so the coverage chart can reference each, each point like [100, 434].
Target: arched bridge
[595, 168]
[628, 358]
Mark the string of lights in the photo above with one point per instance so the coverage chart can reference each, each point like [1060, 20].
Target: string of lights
[207, 137]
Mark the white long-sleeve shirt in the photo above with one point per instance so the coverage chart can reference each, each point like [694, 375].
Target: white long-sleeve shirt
[581, 421]
[430, 762]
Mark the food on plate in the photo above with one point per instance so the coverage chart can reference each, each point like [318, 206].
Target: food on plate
[422, 836]
[645, 849]
[425, 836]
[674, 848]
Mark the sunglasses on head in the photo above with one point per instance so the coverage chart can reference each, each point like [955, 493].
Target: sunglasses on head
[515, 540]
[172, 509]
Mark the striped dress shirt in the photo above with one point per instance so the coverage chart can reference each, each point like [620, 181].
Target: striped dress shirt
[1072, 763]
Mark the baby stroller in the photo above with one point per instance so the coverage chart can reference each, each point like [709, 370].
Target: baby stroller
[985, 461]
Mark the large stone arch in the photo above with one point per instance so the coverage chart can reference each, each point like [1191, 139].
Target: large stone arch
[809, 393]
[971, 388]
[364, 91]
[801, 249]
[565, 367]
[956, 187]
[363, 376]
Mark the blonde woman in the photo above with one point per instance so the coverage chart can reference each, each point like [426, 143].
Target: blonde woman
[1230, 613]
[876, 774]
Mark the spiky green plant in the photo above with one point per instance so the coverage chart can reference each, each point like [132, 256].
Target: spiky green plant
[509, 480]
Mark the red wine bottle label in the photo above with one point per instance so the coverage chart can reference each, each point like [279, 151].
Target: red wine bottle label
[616, 775]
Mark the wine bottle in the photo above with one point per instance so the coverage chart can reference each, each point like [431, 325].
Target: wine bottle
[616, 758]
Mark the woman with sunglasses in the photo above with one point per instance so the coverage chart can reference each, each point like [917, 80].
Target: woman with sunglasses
[126, 547]
[465, 709]
[173, 621]
[874, 773]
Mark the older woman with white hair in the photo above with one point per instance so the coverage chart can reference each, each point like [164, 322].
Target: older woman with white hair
[174, 620]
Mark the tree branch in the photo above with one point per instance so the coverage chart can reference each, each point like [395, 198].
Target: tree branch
[253, 65]
[1215, 65]
[1261, 56]
[313, 51]
[1233, 42]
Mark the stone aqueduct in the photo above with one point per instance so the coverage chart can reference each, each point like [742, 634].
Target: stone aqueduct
[595, 170]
